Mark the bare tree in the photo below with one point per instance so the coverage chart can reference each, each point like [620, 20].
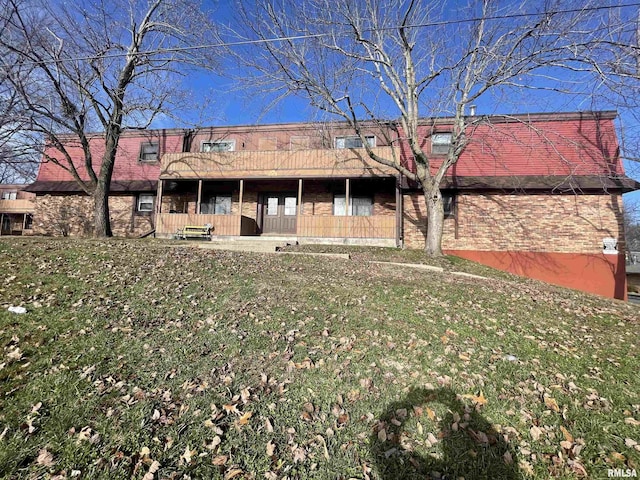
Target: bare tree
[411, 62]
[96, 66]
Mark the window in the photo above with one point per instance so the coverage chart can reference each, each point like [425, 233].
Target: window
[145, 202]
[354, 141]
[149, 152]
[448, 203]
[218, 146]
[217, 205]
[272, 206]
[440, 143]
[28, 222]
[9, 195]
[290, 206]
[358, 206]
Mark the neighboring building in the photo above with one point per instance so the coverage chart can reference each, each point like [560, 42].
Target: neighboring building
[16, 210]
[532, 194]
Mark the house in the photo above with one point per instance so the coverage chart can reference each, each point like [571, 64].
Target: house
[538, 195]
[16, 210]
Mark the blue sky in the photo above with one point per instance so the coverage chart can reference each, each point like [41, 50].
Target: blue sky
[226, 102]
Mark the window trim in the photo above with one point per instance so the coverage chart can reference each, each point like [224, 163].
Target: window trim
[141, 157]
[434, 145]
[139, 202]
[335, 141]
[231, 142]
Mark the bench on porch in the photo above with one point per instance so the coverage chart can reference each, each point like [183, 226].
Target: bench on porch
[194, 231]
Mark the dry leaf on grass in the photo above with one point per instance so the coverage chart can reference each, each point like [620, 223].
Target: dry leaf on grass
[155, 466]
[45, 458]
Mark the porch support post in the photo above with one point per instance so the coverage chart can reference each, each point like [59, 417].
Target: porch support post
[346, 206]
[198, 201]
[159, 197]
[24, 223]
[346, 197]
[299, 209]
[240, 198]
[399, 213]
[1, 222]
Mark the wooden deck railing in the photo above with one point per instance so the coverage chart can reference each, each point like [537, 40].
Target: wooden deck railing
[169, 223]
[346, 227]
[276, 163]
[17, 206]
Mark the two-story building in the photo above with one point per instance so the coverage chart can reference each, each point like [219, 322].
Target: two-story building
[16, 210]
[536, 195]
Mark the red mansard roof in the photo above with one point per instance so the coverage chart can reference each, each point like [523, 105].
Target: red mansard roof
[127, 166]
[541, 145]
[538, 145]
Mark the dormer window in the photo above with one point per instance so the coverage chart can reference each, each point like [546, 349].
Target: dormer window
[149, 152]
[440, 143]
[354, 141]
[218, 146]
[9, 195]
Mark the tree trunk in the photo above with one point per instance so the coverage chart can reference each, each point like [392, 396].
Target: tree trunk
[101, 210]
[435, 221]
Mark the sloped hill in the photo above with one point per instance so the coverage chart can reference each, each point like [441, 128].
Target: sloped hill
[141, 358]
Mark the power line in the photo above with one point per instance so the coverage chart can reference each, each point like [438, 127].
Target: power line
[320, 35]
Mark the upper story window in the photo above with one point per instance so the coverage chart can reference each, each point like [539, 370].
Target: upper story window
[149, 152]
[218, 146]
[354, 141]
[440, 143]
[9, 195]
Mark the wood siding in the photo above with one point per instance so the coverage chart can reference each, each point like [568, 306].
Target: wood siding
[169, 223]
[17, 206]
[266, 164]
[346, 227]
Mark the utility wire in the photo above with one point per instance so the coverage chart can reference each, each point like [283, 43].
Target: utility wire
[319, 35]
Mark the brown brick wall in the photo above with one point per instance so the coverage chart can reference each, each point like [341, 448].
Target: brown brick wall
[531, 223]
[73, 215]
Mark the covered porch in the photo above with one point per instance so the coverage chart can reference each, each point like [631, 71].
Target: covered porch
[311, 208]
[314, 194]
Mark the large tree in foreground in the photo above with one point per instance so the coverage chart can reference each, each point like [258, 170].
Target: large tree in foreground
[94, 66]
[368, 61]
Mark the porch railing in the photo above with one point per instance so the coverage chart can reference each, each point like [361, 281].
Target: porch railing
[276, 163]
[346, 227]
[17, 206]
[169, 223]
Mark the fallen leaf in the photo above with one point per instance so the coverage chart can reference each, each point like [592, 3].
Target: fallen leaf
[244, 419]
[270, 449]
[45, 458]
[220, 460]
[567, 436]
[566, 445]
[507, 458]
[430, 413]
[233, 473]
[186, 456]
[478, 399]
[632, 421]
[551, 404]
[155, 466]
[535, 433]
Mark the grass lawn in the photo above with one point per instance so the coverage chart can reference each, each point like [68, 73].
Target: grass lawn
[136, 359]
